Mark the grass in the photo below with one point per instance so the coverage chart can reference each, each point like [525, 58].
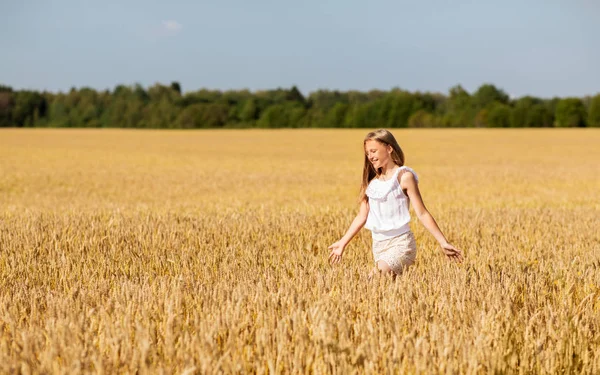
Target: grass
[206, 252]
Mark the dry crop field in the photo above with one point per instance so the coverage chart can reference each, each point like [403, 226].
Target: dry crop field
[204, 252]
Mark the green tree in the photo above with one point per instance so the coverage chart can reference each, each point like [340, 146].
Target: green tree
[158, 92]
[281, 116]
[422, 119]
[296, 116]
[594, 111]
[203, 115]
[140, 93]
[522, 107]
[458, 109]
[201, 96]
[58, 112]
[539, 116]
[335, 117]
[551, 104]
[498, 115]
[176, 87]
[215, 115]
[487, 94]
[160, 114]
[401, 106]
[7, 103]
[26, 103]
[481, 119]
[163, 106]
[358, 116]
[249, 111]
[295, 95]
[133, 116]
[314, 118]
[570, 112]
[189, 117]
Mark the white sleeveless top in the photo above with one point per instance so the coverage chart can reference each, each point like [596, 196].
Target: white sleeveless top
[388, 207]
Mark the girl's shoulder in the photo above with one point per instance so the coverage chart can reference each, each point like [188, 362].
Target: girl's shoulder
[402, 173]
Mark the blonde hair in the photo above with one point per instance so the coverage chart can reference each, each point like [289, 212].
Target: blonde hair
[386, 138]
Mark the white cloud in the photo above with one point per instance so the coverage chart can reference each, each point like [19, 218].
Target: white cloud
[172, 27]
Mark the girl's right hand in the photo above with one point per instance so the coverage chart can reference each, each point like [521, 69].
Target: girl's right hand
[337, 249]
[451, 252]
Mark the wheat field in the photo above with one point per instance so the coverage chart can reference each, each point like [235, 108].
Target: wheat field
[205, 252]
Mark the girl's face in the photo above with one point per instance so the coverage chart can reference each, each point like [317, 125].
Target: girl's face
[378, 153]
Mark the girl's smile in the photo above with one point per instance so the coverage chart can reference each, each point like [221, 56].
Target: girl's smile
[379, 155]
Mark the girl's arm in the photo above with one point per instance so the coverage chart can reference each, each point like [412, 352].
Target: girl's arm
[409, 184]
[337, 249]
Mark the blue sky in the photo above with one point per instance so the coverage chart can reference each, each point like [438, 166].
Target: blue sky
[543, 48]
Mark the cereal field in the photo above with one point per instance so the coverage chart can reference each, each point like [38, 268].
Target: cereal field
[204, 252]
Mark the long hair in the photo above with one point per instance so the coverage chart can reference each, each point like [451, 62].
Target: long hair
[385, 137]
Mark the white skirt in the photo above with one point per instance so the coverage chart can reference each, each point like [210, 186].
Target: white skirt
[397, 252]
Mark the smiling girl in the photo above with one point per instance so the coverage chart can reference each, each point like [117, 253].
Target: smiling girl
[387, 189]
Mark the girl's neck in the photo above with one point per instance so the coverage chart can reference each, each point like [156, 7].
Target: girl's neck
[387, 171]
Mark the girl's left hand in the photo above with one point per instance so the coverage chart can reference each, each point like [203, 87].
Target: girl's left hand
[337, 249]
[451, 252]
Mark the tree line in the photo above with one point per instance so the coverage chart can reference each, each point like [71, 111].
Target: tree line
[165, 106]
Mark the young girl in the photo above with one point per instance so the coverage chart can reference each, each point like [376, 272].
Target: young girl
[386, 191]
